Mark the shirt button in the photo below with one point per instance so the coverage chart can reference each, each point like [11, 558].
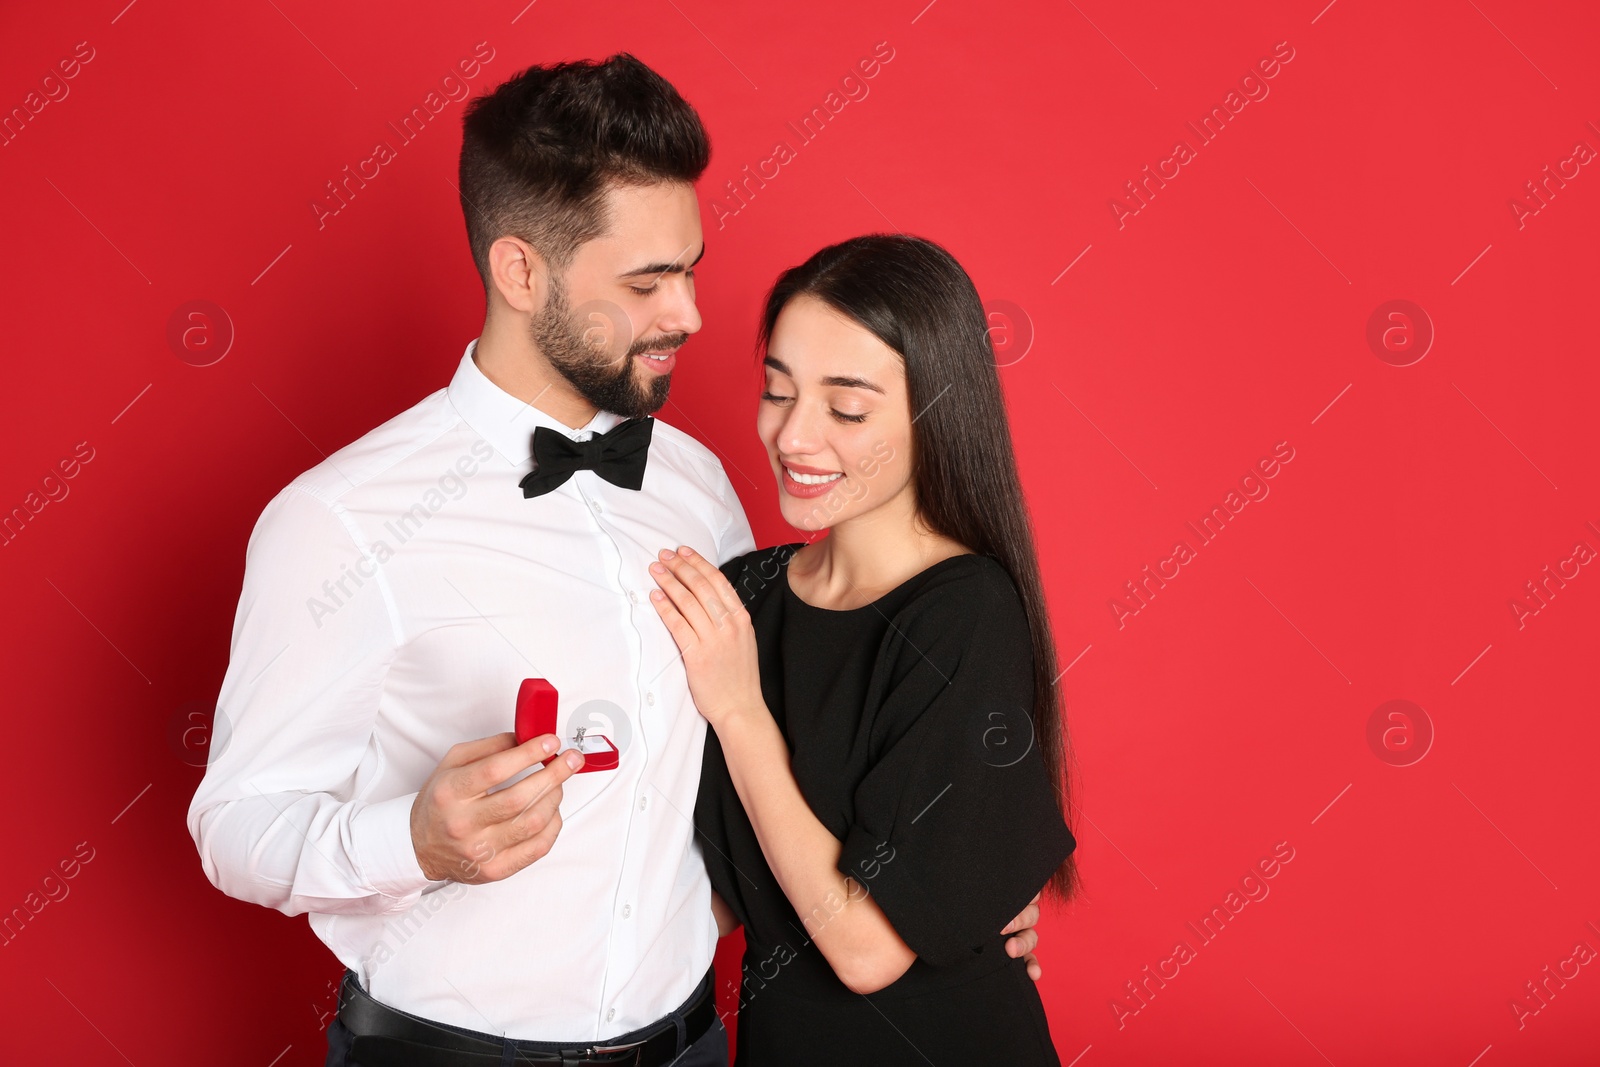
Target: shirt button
[649, 698]
[644, 802]
[633, 596]
[627, 910]
[611, 1013]
[595, 504]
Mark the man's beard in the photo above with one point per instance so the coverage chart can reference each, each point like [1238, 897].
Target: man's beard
[602, 373]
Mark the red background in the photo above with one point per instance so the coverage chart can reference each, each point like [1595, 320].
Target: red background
[1229, 314]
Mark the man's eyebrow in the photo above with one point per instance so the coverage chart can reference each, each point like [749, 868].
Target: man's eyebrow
[662, 268]
[843, 382]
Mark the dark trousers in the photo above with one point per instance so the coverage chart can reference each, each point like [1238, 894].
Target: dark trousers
[710, 1051]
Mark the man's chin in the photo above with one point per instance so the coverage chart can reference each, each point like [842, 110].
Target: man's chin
[654, 397]
[648, 399]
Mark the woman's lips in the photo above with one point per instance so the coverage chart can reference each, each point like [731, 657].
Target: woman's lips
[804, 490]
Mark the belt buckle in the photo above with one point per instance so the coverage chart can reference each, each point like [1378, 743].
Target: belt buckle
[637, 1048]
[601, 1050]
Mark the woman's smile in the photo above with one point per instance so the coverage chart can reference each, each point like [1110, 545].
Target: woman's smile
[807, 482]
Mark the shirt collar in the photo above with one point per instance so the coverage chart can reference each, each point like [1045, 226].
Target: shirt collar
[504, 421]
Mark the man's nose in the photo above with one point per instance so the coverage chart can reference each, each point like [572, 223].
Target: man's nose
[680, 315]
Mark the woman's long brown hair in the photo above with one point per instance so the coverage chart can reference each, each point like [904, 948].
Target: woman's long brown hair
[914, 297]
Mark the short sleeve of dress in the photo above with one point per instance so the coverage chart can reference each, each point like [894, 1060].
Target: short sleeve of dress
[956, 825]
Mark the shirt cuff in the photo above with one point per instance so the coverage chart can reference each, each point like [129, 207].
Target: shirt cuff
[382, 835]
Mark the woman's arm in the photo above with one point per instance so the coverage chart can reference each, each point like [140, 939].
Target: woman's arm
[851, 931]
[713, 630]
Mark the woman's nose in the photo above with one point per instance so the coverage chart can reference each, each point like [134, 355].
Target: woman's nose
[800, 434]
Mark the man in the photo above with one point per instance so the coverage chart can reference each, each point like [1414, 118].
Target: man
[397, 594]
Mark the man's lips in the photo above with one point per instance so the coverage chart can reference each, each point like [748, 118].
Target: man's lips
[659, 365]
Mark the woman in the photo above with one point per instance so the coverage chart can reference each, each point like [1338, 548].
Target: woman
[883, 782]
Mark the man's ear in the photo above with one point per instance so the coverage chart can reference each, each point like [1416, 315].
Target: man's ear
[520, 274]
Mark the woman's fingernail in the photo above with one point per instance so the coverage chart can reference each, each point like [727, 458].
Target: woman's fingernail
[686, 550]
[574, 758]
[656, 594]
[658, 568]
[549, 745]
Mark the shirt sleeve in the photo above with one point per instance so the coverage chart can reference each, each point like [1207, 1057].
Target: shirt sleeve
[278, 819]
[956, 825]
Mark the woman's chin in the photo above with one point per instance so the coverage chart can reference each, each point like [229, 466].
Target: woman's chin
[804, 522]
[806, 515]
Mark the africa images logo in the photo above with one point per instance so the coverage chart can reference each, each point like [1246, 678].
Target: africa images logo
[601, 717]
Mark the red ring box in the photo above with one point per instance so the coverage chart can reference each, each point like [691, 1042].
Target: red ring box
[536, 714]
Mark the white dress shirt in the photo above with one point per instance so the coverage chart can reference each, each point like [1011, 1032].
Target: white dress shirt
[395, 596]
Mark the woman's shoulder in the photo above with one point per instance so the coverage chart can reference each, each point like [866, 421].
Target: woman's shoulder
[964, 600]
[969, 584]
[754, 571]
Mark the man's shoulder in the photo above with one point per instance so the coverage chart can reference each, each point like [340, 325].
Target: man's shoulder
[378, 451]
[689, 456]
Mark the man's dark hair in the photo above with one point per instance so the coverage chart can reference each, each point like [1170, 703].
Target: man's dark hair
[539, 152]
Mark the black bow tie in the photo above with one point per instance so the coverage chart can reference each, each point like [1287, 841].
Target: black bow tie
[618, 456]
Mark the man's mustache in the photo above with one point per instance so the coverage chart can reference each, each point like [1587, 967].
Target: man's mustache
[666, 343]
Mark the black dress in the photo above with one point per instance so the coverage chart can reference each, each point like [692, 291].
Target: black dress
[910, 733]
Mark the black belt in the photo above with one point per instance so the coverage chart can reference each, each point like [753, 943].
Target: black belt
[385, 1037]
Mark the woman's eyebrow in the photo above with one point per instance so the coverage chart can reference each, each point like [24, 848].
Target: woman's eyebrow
[851, 383]
[842, 381]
